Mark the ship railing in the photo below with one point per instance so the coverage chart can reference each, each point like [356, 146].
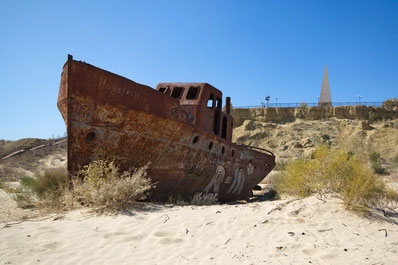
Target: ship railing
[258, 148]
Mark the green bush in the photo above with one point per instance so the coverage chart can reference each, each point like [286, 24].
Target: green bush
[378, 168]
[338, 171]
[375, 159]
[43, 189]
[100, 184]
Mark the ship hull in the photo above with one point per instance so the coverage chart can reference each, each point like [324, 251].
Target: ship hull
[111, 117]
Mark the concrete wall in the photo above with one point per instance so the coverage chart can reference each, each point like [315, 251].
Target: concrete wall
[310, 113]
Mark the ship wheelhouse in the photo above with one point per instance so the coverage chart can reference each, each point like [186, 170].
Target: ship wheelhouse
[203, 103]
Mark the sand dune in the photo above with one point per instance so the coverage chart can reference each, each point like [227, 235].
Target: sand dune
[275, 232]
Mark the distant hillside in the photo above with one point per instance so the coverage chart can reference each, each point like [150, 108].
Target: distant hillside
[298, 139]
[30, 155]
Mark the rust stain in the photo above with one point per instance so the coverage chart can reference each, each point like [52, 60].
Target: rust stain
[178, 127]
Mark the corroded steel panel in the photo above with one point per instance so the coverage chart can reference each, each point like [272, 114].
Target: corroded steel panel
[109, 116]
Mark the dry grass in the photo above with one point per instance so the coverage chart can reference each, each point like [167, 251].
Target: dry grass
[99, 184]
[103, 186]
[44, 190]
[337, 171]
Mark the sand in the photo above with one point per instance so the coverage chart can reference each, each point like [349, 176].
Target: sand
[274, 232]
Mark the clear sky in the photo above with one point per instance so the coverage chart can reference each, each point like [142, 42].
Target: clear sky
[247, 49]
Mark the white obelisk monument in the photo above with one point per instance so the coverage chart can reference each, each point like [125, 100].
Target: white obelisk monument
[325, 99]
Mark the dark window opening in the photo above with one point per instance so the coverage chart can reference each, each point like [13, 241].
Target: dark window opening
[210, 102]
[224, 128]
[193, 92]
[216, 126]
[219, 101]
[177, 92]
[233, 153]
[210, 145]
[163, 89]
[195, 139]
[223, 150]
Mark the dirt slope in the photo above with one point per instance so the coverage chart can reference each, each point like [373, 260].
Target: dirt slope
[35, 155]
[298, 139]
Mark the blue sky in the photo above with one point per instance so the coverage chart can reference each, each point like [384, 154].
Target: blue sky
[247, 49]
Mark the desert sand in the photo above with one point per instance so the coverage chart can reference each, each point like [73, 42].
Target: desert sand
[306, 231]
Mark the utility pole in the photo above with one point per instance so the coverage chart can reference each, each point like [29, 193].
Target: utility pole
[267, 98]
[359, 99]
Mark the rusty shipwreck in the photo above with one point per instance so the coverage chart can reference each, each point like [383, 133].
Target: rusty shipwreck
[179, 127]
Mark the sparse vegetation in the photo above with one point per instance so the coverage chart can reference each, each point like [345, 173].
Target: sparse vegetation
[103, 185]
[22, 164]
[376, 160]
[337, 171]
[45, 189]
[99, 184]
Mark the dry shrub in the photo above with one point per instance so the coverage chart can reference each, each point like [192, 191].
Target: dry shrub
[103, 186]
[43, 190]
[99, 184]
[337, 171]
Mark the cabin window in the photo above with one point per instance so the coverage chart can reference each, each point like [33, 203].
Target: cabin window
[210, 102]
[177, 92]
[163, 89]
[224, 128]
[210, 145]
[219, 101]
[193, 92]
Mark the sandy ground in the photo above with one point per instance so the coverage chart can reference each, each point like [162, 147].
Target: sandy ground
[275, 232]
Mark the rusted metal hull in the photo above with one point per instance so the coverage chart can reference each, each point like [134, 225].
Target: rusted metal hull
[109, 116]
